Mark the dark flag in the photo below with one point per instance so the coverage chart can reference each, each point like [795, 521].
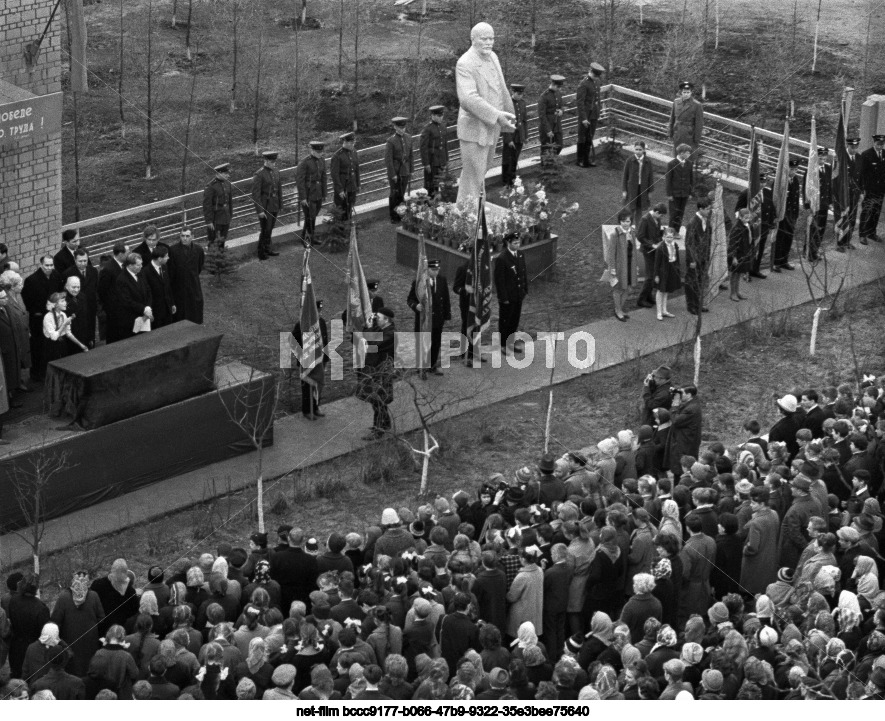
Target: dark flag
[311, 359]
[480, 281]
[841, 184]
[754, 186]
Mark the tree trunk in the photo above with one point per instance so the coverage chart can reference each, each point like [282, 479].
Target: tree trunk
[236, 47]
[187, 33]
[716, 44]
[150, 108]
[356, 62]
[417, 70]
[120, 78]
[258, 89]
[425, 465]
[341, 44]
[259, 487]
[76, 158]
[534, 20]
[187, 140]
[303, 12]
[174, 11]
[547, 424]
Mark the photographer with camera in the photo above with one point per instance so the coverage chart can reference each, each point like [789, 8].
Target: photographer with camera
[685, 431]
[655, 393]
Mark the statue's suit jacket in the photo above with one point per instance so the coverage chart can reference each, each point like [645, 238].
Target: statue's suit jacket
[477, 117]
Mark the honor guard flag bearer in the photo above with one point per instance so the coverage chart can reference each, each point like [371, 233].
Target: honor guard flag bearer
[311, 338]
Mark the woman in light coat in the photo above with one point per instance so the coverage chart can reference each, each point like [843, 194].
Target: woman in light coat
[526, 594]
[619, 252]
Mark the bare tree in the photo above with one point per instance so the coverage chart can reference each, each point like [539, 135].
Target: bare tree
[257, 109]
[174, 13]
[150, 104]
[31, 478]
[187, 140]
[76, 120]
[356, 61]
[120, 76]
[187, 32]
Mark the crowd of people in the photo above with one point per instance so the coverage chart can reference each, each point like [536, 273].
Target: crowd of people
[642, 567]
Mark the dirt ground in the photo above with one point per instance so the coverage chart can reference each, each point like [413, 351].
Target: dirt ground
[744, 371]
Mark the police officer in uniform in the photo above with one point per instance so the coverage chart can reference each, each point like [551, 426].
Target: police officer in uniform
[872, 182]
[686, 119]
[267, 195]
[346, 175]
[434, 150]
[218, 205]
[851, 145]
[550, 116]
[440, 309]
[511, 286]
[588, 115]
[512, 142]
[310, 179]
[819, 224]
[398, 161]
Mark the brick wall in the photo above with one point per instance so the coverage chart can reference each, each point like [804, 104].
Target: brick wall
[30, 171]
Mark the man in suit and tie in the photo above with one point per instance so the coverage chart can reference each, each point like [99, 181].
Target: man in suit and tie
[844, 244]
[872, 182]
[588, 115]
[132, 296]
[310, 178]
[819, 223]
[10, 350]
[512, 142]
[686, 119]
[486, 109]
[698, 234]
[511, 287]
[637, 179]
[398, 161]
[37, 288]
[441, 310]
[64, 259]
[76, 311]
[157, 277]
[107, 278]
[679, 184]
[649, 236]
[557, 580]
[150, 240]
[86, 273]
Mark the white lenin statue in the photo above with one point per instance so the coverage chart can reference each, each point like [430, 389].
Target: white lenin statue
[486, 109]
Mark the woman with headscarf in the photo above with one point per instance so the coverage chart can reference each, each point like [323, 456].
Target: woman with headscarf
[39, 653]
[761, 674]
[261, 579]
[580, 552]
[826, 583]
[766, 613]
[116, 592]
[865, 578]
[665, 649]
[526, 594]
[112, 667]
[664, 591]
[27, 617]
[670, 522]
[848, 619]
[78, 613]
[526, 637]
[605, 460]
[606, 684]
[177, 597]
[255, 666]
[605, 581]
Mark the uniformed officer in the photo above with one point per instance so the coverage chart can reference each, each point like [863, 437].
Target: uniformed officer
[310, 178]
[434, 150]
[843, 244]
[588, 115]
[872, 183]
[819, 224]
[398, 160]
[218, 205]
[267, 195]
[512, 142]
[440, 309]
[550, 116]
[686, 118]
[786, 229]
[346, 175]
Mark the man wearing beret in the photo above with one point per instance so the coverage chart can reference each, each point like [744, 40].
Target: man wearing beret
[267, 195]
[434, 150]
[872, 181]
[345, 169]
[550, 116]
[686, 119]
[588, 115]
[310, 178]
[398, 161]
[441, 310]
[218, 205]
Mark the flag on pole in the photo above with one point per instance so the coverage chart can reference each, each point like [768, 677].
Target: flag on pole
[425, 298]
[359, 302]
[754, 170]
[718, 268]
[841, 185]
[77, 25]
[812, 177]
[311, 338]
[480, 288]
[781, 186]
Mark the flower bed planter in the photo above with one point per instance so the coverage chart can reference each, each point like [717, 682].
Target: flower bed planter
[540, 255]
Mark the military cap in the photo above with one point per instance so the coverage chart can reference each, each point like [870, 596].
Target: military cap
[347, 137]
[433, 264]
[511, 237]
[270, 154]
[686, 85]
[823, 150]
[317, 144]
[399, 120]
[852, 142]
[879, 138]
[386, 312]
[517, 87]
[223, 168]
[437, 109]
[597, 68]
[764, 175]
[795, 162]
[319, 304]
[557, 79]
[372, 284]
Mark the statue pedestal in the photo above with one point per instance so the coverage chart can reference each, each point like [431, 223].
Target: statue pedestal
[872, 120]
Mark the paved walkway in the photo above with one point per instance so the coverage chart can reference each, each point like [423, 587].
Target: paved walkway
[299, 443]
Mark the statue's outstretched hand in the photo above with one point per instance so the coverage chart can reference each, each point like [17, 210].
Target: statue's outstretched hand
[505, 120]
